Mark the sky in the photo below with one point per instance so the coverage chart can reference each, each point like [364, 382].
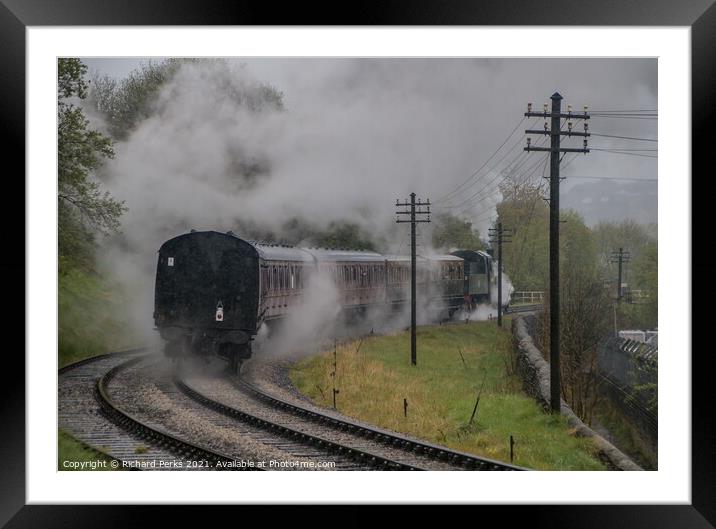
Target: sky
[430, 123]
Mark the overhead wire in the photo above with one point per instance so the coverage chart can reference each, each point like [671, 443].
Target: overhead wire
[611, 151]
[624, 137]
[475, 173]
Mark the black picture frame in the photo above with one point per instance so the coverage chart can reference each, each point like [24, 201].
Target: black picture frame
[16, 15]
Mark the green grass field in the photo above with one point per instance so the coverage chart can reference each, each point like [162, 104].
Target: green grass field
[375, 375]
[73, 451]
[88, 324]
[90, 321]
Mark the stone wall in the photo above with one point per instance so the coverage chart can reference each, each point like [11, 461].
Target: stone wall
[533, 369]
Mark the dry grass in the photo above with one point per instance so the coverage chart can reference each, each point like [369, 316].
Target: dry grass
[454, 362]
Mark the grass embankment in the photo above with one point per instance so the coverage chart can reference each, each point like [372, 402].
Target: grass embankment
[374, 377]
[90, 321]
[625, 436]
[72, 453]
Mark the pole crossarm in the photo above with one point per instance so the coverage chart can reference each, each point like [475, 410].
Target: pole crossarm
[562, 132]
[561, 115]
[561, 149]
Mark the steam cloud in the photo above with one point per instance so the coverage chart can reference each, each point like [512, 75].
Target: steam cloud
[355, 134]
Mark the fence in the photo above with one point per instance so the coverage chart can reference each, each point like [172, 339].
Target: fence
[536, 296]
[628, 371]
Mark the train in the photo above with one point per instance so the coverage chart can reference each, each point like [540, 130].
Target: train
[214, 291]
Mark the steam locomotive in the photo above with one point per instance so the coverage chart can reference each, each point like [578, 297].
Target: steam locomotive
[214, 290]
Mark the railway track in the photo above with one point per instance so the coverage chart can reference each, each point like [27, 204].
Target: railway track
[86, 412]
[143, 413]
[153, 393]
[391, 450]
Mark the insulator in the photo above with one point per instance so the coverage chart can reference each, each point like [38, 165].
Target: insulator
[569, 108]
[545, 126]
[585, 143]
[545, 108]
[529, 107]
[585, 108]
[569, 126]
[586, 126]
[529, 141]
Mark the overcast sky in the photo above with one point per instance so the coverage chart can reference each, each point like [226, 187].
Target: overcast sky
[447, 116]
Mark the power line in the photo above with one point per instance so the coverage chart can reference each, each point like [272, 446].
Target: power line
[483, 188]
[440, 199]
[617, 111]
[611, 151]
[471, 202]
[624, 137]
[499, 173]
[626, 150]
[616, 178]
[627, 116]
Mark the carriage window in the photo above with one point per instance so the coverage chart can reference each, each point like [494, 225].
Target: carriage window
[293, 277]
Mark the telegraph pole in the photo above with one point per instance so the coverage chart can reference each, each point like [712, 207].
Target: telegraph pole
[620, 257]
[555, 132]
[498, 236]
[413, 221]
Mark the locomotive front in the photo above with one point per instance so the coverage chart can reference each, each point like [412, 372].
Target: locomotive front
[207, 295]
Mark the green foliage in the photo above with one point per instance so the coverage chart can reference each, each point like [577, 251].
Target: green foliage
[578, 252]
[72, 450]
[643, 312]
[627, 234]
[526, 259]
[646, 276]
[300, 232]
[92, 316]
[441, 392]
[343, 235]
[625, 435]
[83, 208]
[125, 103]
[451, 232]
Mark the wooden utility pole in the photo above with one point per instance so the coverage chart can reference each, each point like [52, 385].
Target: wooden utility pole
[620, 257]
[413, 288]
[555, 132]
[498, 237]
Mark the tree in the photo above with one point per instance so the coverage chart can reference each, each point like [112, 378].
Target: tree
[524, 212]
[83, 208]
[451, 232]
[585, 310]
[124, 104]
[643, 312]
[584, 323]
[627, 234]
